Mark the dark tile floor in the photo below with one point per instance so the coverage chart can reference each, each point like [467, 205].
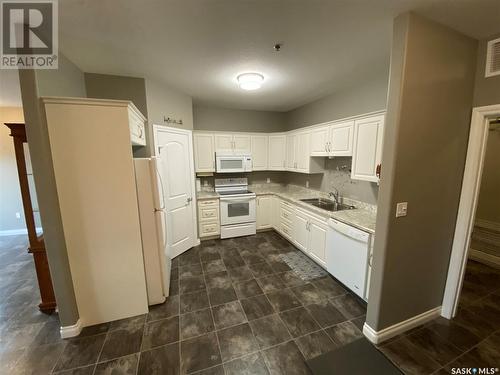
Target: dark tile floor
[235, 308]
[471, 339]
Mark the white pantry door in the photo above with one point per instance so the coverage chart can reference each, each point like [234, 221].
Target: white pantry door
[174, 148]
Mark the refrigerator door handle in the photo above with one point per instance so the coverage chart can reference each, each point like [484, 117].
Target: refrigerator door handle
[155, 166]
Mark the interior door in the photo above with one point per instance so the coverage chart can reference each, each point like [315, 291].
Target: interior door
[176, 167]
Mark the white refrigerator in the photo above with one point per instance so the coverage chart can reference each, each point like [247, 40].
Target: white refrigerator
[150, 199]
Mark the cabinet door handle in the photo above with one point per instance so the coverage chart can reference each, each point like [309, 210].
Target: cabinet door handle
[378, 170]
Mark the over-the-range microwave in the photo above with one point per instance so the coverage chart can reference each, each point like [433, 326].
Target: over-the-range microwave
[233, 163]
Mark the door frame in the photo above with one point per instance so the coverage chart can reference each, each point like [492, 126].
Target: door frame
[194, 204]
[476, 150]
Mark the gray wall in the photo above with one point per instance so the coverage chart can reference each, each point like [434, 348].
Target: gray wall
[163, 101]
[363, 97]
[68, 80]
[224, 119]
[367, 96]
[259, 177]
[429, 108]
[337, 175]
[106, 86]
[486, 90]
[10, 192]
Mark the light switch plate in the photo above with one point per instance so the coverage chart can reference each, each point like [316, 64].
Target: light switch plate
[401, 209]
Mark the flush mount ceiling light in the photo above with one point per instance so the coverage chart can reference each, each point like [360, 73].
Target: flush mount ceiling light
[250, 81]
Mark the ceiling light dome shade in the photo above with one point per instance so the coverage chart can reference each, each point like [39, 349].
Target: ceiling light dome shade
[250, 81]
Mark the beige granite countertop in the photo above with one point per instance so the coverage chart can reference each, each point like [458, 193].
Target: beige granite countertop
[201, 195]
[362, 217]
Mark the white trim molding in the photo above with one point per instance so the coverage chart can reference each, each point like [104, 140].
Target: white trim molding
[476, 149]
[71, 331]
[16, 232]
[377, 337]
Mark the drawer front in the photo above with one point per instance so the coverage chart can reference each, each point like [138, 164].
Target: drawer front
[286, 215]
[286, 230]
[209, 213]
[209, 229]
[208, 203]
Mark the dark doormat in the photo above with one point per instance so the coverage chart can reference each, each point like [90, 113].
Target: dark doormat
[358, 357]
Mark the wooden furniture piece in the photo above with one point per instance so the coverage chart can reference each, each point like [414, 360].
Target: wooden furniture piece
[36, 242]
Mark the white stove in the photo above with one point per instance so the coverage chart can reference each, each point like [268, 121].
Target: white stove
[237, 207]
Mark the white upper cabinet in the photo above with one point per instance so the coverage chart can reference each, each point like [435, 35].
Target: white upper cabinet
[332, 140]
[224, 143]
[302, 153]
[341, 139]
[137, 126]
[232, 143]
[259, 148]
[319, 141]
[277, 152]
[204, 152]
[367, 148]
[291, 147]
[298, 155]
[242, 144]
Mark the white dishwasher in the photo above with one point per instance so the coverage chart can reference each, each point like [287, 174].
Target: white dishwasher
[347, 252]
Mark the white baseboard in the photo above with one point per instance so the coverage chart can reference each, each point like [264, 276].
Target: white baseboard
[378, 337]
[16, 232]
[487, 224]
[71, 331]
[482, 257]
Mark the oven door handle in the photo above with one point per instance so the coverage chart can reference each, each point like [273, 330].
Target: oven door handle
[232, 200]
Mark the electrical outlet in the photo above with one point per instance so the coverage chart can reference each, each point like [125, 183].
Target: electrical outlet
[18, 215]
[307, 183]
[401, 209]
[268, 180]
[205, 183]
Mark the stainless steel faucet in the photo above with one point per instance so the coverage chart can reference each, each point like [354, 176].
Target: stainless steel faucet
[335, 194]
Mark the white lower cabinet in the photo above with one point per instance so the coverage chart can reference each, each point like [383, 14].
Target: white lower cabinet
[208, 218]
[264, 211]
[317, 240]
[309, 235]
[301, 230]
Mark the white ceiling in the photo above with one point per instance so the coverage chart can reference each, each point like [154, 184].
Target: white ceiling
[198, 47]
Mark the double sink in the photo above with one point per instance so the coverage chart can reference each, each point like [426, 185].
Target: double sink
[327, 204]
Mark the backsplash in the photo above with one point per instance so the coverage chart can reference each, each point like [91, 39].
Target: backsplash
[337, 174]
